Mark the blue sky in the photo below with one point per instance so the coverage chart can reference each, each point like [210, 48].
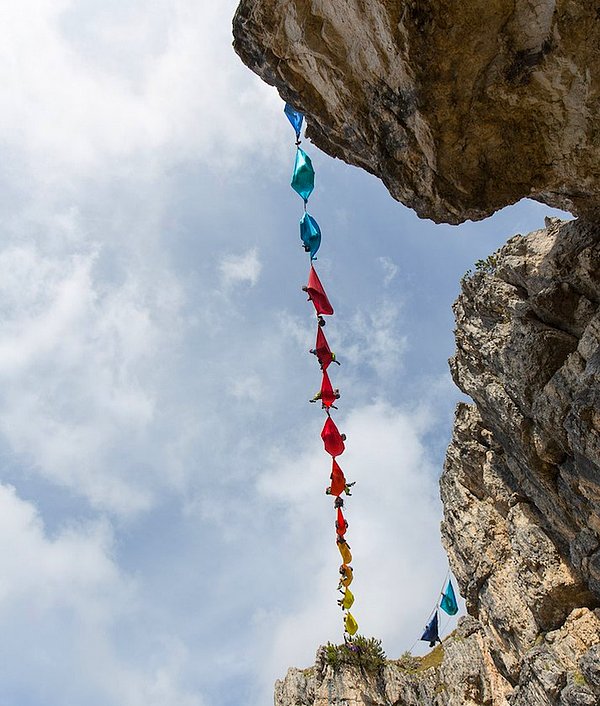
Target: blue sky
[164, 535]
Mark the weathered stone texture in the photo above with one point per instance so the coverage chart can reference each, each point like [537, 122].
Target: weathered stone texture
[528, 352]
[459, 107]
[561, 669]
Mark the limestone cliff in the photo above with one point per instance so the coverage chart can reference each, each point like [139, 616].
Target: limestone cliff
[462, 108]
[459, 107]
[561, 669]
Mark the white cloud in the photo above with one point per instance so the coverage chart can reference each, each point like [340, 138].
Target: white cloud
[63, 601]
[393, 517]
[373, 338]
[34, 566]
[390, 270]
[248, 388]
[77, 363]
[85, 83]
[100, 102]
[241, 268]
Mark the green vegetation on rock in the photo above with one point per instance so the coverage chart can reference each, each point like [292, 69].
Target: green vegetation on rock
[411, 664]
[488, 265]
[364, 653]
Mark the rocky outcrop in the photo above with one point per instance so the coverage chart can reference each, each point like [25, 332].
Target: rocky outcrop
[460, 673]
[528, 354]
[521, 485]
[562, 669]
[459, 107]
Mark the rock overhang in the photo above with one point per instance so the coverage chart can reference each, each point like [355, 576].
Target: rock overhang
[460, 108]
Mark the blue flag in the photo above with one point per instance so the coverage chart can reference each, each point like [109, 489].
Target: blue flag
[431, 634]
[294, 117]
[448, 602]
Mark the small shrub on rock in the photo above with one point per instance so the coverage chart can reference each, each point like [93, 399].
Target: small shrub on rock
[364, 653]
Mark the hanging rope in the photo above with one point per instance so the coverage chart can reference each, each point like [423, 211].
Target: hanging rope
[303, 183]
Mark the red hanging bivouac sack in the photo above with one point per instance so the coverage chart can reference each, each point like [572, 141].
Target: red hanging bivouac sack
[327, 396]
[332, 439]
[322, 350]
[317, 295]
[340, 525]
[338, 480]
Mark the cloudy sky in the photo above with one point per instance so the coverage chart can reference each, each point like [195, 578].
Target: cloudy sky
[164, 536]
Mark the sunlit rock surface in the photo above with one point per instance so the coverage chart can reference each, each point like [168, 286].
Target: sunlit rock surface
[562, 668]
[459, 107]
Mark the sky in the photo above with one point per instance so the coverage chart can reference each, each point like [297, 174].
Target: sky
[164, 535]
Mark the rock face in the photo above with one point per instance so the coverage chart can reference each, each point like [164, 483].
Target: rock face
[459, 674]
[521, 485]
[462, 108]
[521, 493]
[459, 107]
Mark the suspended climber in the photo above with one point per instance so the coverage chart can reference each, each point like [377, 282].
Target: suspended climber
[346, 601]
[341, 523]
[449, 605]
[333, 441]
[327, 398]
[316, 294]
[310, 235]
[324, 354]
[346, 576]
[344, 548]
[327, 394]
[339, 484]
